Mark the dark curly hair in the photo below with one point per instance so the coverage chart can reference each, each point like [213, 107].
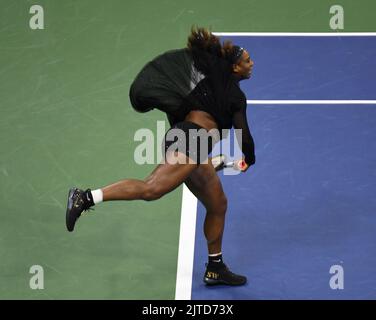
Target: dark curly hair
[202, 39]
[231, 52]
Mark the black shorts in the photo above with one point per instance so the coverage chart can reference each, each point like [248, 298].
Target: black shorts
[191, 139]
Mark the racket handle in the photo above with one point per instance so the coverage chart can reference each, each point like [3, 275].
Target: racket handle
[237, 165]
[230, 164]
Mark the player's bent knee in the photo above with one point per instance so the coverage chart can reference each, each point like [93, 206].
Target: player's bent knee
[219, 206]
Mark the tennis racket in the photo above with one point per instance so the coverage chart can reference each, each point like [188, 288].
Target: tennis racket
[219, 162]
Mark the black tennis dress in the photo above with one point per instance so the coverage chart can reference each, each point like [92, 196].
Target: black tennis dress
[182, 80]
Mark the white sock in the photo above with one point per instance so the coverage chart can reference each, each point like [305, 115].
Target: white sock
[215, 254]
[97, 196]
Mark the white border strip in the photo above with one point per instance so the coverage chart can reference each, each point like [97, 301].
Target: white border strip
[184, 273]
[296, 34]
[311, 101]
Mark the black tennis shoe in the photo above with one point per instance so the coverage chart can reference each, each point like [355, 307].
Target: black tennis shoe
[219, 273]
[78, 201]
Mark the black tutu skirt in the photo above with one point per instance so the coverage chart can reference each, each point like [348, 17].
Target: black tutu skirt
[181, 80]
[164, 83]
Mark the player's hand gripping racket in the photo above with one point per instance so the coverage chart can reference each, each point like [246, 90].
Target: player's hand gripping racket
[219, 162]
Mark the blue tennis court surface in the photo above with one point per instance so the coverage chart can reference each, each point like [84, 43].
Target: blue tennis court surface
[309, 202]
[312, 68]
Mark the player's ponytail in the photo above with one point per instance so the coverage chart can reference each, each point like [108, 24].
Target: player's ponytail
[203, 39]
[205, 48]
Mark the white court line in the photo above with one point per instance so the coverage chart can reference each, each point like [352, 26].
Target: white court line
[184, 273]
[186, 245]
[311, 101]
[296, 34]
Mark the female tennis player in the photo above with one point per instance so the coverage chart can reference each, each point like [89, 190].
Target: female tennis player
[198, 88]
